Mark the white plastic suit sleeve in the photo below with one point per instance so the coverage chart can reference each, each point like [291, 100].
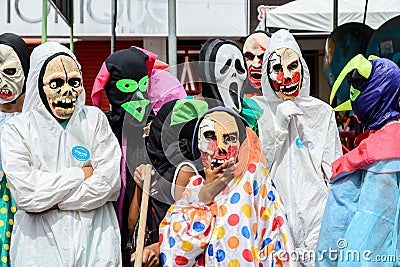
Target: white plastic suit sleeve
[105, 183]
[33, 190]
[285, 113]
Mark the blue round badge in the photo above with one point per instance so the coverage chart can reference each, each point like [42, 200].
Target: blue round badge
[80, 153]
[298, 142]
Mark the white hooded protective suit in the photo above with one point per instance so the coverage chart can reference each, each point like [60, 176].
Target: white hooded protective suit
[42, 173]
[300, 140]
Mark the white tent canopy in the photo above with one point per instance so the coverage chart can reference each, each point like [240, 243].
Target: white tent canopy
[317, 15]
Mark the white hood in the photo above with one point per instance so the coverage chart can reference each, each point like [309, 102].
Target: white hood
[38, 57]
[279, 39]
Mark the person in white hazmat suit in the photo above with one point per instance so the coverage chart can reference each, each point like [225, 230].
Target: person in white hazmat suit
[299, 138]
[62, 164]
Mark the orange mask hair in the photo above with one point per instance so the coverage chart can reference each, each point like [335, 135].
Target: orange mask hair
[250, 152]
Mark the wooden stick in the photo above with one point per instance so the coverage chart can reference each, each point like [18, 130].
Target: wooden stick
[347, 124]
[143, 216]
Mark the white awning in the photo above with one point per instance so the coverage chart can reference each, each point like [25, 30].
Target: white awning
[317, 15]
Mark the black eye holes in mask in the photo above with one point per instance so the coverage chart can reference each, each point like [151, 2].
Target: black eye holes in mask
[57, 83]
[292, 66]
[355, 79]
[228, 138]
[10, 71]
[251, 56]
[238, 66]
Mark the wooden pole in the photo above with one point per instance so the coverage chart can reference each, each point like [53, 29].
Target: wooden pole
[143, 217]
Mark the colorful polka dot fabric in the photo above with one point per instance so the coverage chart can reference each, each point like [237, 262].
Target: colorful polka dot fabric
[7, 211]
[7, 207]
[244, 226]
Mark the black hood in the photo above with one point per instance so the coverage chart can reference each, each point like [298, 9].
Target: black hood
[124, 64]
[206, 72]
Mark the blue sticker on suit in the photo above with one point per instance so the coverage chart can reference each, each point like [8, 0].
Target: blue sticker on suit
[80, 153]
[298, 142]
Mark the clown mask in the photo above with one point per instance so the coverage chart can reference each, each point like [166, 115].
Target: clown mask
[218, 139]
[285, 73]
[11, 75]
[230, 75]
[62, 84]
[253, 50]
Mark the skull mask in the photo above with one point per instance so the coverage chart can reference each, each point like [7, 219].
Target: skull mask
[285, 73]
[11, 75]
[62, 84]
[218, 139]
[230, 75]
[253, 50]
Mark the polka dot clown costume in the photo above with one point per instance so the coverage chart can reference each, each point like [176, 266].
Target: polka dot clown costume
[245, 224]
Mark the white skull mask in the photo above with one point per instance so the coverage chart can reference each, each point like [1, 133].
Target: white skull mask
[11, 75]
[62, 84]
[230, 75]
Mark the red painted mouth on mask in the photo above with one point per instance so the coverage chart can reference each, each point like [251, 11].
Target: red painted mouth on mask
[218, 159]
[255, 76]
[289, 87]
[5, 93]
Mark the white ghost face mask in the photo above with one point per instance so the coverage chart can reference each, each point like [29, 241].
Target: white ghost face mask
[253, 50]
[230, 75]
[285, 73]
[11, 75]
[218, 139]
[62, 84]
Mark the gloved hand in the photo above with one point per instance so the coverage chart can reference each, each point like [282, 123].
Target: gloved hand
[285, 112]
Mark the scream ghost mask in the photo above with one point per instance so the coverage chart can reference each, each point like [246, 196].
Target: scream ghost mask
[61, 84]
[229, 75]
[224, 72]
[218, 139]
[253, 50]
[14, 65]
[285, 73]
